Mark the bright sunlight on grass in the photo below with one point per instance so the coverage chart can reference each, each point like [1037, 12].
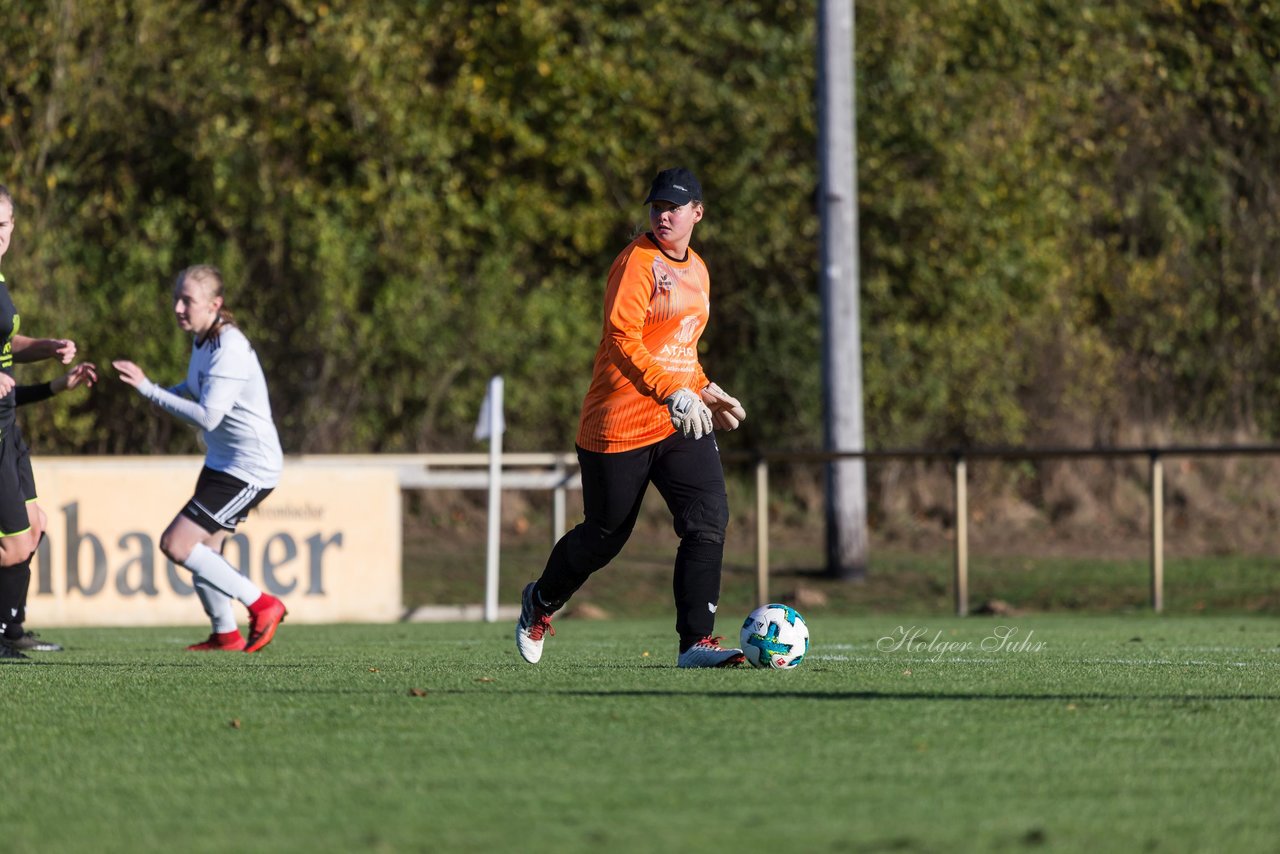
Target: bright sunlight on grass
[1058, 732]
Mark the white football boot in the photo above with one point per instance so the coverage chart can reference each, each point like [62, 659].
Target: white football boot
[534, 624]
[709, 653]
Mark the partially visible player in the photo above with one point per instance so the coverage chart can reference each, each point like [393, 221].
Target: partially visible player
[15, 635]
[21, 519]
[648, 418]
[225, 395]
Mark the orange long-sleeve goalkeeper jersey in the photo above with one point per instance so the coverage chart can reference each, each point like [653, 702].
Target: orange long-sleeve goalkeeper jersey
[655, 309]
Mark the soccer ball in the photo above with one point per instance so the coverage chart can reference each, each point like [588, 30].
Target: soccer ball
[775, 636]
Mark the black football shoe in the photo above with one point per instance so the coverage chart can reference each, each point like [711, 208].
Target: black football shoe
[9, 655]
[31, 642]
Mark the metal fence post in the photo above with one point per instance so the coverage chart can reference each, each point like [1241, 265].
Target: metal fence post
[962, 537]
[1157, 532]
[558, 501]
[762, 531]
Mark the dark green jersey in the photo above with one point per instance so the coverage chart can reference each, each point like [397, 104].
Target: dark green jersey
[9, 322]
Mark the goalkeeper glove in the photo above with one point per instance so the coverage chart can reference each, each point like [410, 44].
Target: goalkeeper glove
[726, 412]
[689, 414]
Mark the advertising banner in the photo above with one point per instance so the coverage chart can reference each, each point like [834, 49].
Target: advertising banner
[326, 541]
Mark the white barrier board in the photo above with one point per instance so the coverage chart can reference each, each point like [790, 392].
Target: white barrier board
[326, 541]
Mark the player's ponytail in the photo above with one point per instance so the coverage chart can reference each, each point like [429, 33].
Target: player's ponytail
[225, 318]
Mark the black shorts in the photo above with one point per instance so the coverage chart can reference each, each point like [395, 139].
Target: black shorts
[221, 501]
[17, 483]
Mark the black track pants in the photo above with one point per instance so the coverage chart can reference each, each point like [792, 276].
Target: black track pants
[688, 475]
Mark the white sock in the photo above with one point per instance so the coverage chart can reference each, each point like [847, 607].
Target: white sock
[210, 566]
[217, 605]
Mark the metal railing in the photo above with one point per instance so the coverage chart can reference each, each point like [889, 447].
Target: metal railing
[557, 472]
[554, 471]
[959, 459]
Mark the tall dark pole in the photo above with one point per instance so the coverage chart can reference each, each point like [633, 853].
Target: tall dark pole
[842, 336]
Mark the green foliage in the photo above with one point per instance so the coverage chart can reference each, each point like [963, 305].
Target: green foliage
[1068, 206]
[1065, 207]
[406, 199]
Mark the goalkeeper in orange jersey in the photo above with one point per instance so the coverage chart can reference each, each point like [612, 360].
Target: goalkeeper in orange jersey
[649, 417]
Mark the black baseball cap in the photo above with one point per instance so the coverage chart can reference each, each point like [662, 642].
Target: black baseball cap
[677, 186]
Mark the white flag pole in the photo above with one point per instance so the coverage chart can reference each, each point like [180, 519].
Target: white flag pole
[495, 427]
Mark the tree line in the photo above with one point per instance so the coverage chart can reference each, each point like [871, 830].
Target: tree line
[1070, 209]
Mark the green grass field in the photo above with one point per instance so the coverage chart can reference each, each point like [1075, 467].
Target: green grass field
[1135, 733]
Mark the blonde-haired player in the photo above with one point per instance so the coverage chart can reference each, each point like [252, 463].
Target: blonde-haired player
[225, 395]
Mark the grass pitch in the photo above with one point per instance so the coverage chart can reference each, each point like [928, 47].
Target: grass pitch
[897, 734]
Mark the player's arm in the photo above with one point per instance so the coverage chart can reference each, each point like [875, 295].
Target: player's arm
[38, 349]
[86, 374]
[206, 413]
[24, 394]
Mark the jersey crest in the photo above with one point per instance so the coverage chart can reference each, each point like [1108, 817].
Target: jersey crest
[688, 328]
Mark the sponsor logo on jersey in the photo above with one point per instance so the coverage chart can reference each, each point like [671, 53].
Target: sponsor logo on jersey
[688, 328]
[664, 282]
[6, 357]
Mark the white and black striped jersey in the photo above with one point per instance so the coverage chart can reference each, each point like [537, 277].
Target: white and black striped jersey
[225, 395]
